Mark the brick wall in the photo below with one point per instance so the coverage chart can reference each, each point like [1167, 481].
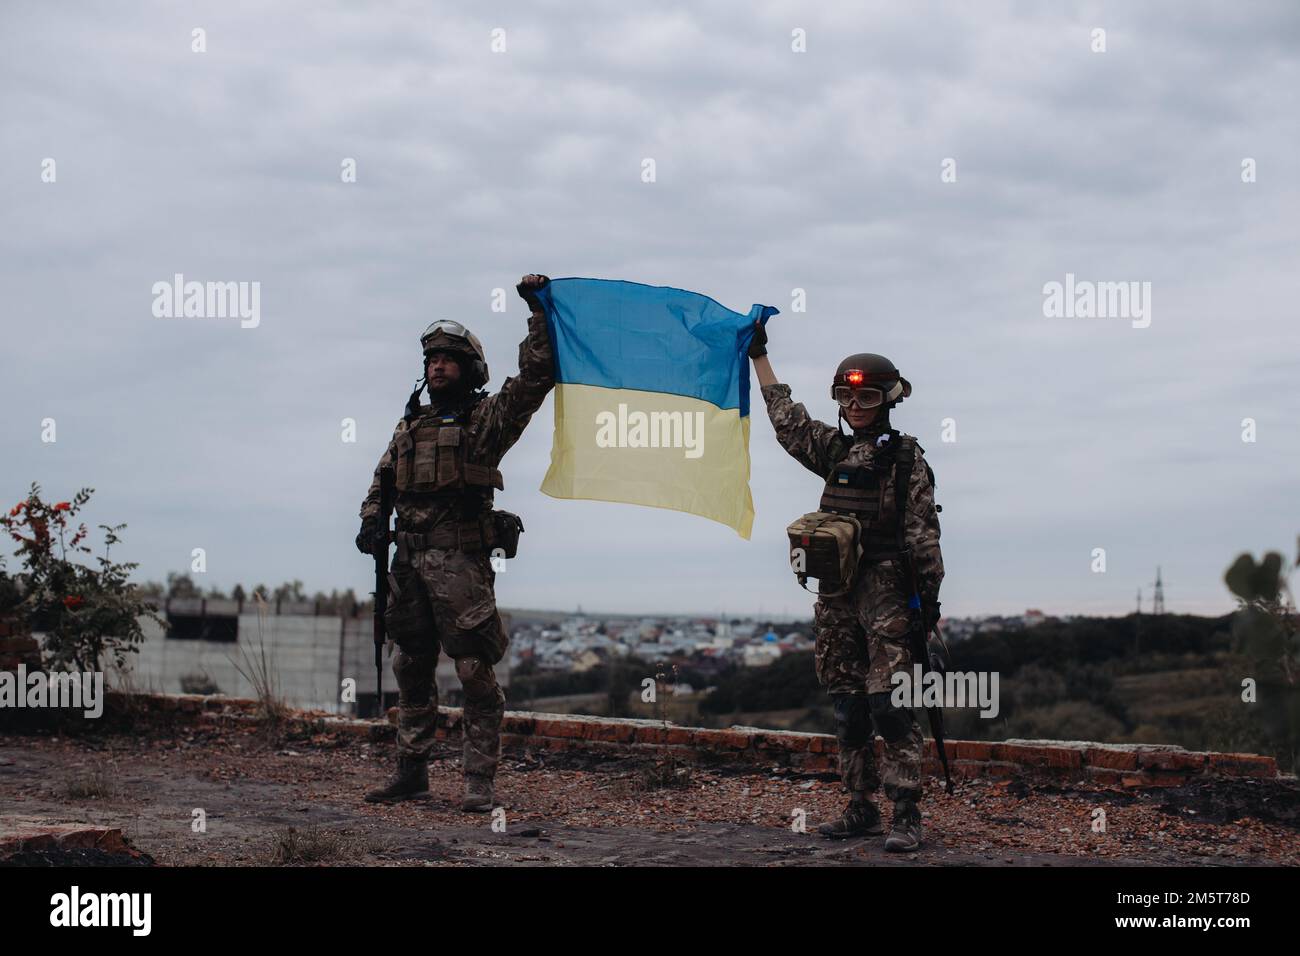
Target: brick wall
[1110, 765]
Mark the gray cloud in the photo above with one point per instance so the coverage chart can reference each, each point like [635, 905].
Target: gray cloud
[776, 171]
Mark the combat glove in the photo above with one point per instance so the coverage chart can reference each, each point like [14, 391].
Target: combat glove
[367, 535]
[528, 287]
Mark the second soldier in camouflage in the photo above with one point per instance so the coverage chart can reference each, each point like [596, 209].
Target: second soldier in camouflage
[861, 635]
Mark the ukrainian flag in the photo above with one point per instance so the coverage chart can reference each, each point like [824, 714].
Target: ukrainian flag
[651, 398]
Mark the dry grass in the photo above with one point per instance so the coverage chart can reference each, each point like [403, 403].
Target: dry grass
[318, 845]
[665, 773]
[258, 667]
[89, 785]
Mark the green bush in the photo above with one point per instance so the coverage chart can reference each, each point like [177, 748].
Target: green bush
[86, 612]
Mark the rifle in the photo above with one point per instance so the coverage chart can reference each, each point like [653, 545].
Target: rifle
[387, 482]
[917, 636]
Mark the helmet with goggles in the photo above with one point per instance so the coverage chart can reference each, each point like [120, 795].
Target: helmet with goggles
[446, 335]
[869, 381]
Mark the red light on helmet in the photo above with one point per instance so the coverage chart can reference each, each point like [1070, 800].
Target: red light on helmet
[854, 376]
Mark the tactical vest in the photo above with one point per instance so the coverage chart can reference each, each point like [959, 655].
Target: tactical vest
[433, 456]
[858, 490]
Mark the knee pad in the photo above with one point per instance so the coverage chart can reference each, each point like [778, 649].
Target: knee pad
[852, 719]
[891, 722]
[415, 681]
[476, 677]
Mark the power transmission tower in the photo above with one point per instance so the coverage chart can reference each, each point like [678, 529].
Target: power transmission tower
[1137, 626]
[1158, 602]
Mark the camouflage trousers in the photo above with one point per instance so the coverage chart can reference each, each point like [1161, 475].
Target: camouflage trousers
[444, 601]
[860, 643]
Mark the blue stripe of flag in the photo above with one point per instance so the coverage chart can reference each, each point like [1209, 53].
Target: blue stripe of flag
[619, 334]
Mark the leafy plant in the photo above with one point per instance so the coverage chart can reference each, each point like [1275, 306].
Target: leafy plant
[86, 612]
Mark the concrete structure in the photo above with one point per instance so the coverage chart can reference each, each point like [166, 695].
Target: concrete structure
[306, 655]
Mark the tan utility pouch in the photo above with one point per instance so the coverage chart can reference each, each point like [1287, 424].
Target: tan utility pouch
[827, 547]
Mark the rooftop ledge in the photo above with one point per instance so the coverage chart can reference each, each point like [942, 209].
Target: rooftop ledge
[1106, 765]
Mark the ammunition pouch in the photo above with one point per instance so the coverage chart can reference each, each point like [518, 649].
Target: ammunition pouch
[432, 458]
[508, 527]
[827, 547]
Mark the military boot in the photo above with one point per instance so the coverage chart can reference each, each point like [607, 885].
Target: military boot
[411, 782]
[860, 818]
[479, 797]
[905, 835]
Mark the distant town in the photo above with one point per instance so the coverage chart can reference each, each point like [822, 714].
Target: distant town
[579, 642]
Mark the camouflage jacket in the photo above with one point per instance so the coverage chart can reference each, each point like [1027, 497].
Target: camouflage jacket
[495, 424]
[820, 447]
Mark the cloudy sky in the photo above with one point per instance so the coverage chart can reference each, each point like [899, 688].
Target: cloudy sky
[776, 170]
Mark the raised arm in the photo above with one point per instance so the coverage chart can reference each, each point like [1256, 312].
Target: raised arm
[509, 410]
[813, 444]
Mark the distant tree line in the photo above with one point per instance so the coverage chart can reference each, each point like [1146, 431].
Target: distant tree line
[1063, 680]
[183, 586]
[786, 683]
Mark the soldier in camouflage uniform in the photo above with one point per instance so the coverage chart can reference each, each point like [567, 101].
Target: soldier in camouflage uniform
[445, 456]
[861, 636]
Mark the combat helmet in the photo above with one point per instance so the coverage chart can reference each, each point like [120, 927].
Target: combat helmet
[445, 335]
[869, 380]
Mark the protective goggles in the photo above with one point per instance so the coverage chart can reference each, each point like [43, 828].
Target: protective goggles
[443, 329]
[866, 396]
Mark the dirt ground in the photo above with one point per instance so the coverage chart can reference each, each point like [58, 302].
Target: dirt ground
[300, 802]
